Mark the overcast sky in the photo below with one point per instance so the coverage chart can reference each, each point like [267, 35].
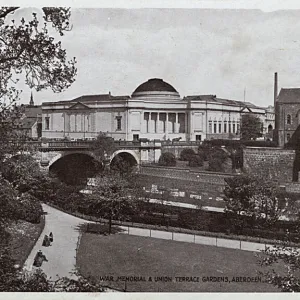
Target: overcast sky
[198, 51]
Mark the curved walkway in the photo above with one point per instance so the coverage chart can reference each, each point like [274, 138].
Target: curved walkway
[61, 254]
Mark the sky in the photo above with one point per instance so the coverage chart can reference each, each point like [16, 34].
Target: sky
[225, 52]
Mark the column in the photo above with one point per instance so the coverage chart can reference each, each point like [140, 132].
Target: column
[167, 124]
[150, 123]
[158, 125]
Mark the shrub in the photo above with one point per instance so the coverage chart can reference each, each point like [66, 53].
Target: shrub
[216, 160]
[196, 161]
[29, 209]
[167, 159]
[186, 154]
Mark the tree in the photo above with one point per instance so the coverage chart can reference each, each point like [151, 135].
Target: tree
[27, 46]
[103, 147]
[252, 197]
[29, 51]
[250, 127]
[216, 160]
[113, 197]
[167, 159]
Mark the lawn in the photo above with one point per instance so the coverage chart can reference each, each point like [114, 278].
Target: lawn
[143, 257]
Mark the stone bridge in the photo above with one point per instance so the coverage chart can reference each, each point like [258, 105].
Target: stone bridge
[136, 152]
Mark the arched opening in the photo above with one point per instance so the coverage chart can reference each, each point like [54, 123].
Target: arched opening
[123, 162]
[76, 168]
[270, 128]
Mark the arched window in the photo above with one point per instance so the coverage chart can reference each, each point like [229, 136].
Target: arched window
[270, 128]
[288, 119]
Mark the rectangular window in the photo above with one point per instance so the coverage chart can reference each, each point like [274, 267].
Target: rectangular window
[288, 136]
[119, 123]
[198, 137]
[233, 128]
[210, 127]
[229, 127]
[136, 137]
[215, 127]
[237, 128]
[220, 128]
[47, 123]
[225, 127]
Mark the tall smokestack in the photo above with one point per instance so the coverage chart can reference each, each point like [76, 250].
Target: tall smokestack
[275, 87]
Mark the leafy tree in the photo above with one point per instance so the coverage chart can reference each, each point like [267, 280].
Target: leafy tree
[250, 127]
[167, 159]
[113, 197]
[252, 197]
[30, 52]
[216, 160]
[121, 166]
[186, 154]
[27, 46]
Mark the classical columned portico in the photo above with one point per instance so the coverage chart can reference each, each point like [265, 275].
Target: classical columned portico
[164, 122]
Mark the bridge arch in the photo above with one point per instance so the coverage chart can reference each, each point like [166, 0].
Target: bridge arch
[61, 155]
[130, 154]
[74, 167]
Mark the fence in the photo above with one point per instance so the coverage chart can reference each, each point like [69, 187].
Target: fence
[196, 239]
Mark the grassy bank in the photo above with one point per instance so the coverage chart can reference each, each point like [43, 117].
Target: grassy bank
[23, 238]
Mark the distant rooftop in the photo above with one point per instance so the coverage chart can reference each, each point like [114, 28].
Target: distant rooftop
[290, 95]
[213, 98]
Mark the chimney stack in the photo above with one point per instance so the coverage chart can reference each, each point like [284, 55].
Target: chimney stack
[275, 87]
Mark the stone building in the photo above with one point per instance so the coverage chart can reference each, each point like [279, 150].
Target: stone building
[155, 110]
[287, 114]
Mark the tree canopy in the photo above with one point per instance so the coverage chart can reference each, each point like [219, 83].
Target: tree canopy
[251, 127]
[27, 47]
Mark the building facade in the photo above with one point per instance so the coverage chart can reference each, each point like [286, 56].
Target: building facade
[155, 110]
[287, 111]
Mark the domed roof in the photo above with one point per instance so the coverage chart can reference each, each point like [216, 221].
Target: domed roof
[154, 85]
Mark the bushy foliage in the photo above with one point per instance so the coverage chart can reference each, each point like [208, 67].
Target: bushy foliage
[186, 154]
[196, 161]
[167, 159]
[252, 197]
[251, 127]
[216, 160]
[287, 279]
[29, 208]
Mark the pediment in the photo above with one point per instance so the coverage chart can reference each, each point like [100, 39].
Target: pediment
[78, 106]
[246, 109]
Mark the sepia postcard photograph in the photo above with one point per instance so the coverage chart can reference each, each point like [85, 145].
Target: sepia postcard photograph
[150, 148]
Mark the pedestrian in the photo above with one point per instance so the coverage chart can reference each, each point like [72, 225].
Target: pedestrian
[38, 259]
[51, 237]
[46, 241]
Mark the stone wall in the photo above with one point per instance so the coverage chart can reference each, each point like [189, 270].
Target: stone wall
[272, 163]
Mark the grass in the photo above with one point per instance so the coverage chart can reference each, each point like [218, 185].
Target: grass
[23, 237]
[125, 255]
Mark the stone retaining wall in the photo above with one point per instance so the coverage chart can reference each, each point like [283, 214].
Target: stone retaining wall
[272, 163]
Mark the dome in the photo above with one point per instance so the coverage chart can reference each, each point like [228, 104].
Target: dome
[155, 86]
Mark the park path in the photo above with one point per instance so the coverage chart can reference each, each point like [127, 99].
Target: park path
[61, 254]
